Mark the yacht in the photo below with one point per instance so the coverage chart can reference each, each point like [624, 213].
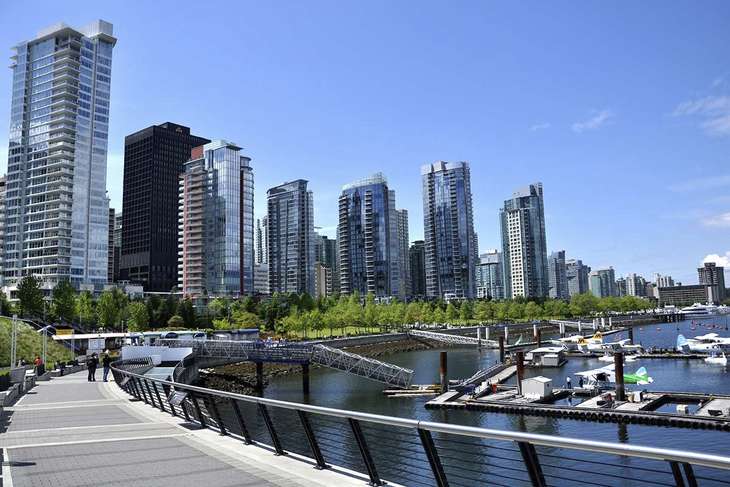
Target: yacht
[699, 311]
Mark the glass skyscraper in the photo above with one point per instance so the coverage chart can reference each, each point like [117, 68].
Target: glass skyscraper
[524, 245]
[57, 211]
[451, 244]
[490, 281]
[558, 276]
[216, 216]
[367, 235]
[291, 238]
[577, 276]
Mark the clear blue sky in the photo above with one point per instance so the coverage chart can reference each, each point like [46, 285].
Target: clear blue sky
[622, 110]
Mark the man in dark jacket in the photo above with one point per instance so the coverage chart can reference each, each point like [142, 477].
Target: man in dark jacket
[106, 362]
[91, 363]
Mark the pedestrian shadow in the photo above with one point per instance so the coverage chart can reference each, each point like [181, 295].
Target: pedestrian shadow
[5, 421]
[12, 463]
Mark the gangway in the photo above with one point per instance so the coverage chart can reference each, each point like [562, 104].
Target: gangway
[298, 353]
[451, 339]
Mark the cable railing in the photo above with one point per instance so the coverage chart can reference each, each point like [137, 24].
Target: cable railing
[421, 453]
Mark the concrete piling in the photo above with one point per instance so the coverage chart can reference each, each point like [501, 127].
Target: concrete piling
[618, 359]
[520, 370]
[501, 350]
[443, 372]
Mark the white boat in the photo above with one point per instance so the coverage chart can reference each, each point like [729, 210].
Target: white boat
[717, 359]
[702, 343]
[701, 311]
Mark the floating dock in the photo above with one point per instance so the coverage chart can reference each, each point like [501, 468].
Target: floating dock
[714, 412]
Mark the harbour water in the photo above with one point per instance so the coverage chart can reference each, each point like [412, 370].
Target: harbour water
[334, 389]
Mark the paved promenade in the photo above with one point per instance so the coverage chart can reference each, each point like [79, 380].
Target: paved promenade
[69, 432]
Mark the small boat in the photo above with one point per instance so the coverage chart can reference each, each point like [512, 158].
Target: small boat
[606, 357]
[630, 358]
[716, 359]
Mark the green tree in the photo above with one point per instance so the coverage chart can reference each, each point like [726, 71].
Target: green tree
[452, 314]
[85, 308]
[139, 319]
[466, 311]
[30, 297]
[186, 311]
[245, 319]
[6, 308]
[107, 310]
[176, 321]
[583, 304]
[64, 301]
[532, 310]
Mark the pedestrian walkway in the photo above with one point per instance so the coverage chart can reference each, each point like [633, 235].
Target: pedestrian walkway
[69, 432]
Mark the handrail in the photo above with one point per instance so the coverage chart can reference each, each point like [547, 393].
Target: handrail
[671, 455]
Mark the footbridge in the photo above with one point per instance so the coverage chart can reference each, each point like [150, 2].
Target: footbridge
[451, 339]
[296, 353]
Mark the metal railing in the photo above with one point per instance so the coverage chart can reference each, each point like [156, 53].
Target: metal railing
[412, 452]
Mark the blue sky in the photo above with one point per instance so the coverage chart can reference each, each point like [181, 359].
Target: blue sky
[621, 109]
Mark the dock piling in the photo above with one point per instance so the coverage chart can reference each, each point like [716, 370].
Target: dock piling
[520, 370]
[479, 337]
[443, 372]
[486, 333]
[631, 333]
[501, 350]
[538, 337]
[305, 378]
[259, 376]
[618, 359]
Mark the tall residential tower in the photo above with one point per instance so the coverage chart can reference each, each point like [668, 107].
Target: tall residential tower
[57, 211]
[291, 238]
[524, 244]
[448, 227]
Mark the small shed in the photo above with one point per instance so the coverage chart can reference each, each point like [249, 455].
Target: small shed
[537, 387]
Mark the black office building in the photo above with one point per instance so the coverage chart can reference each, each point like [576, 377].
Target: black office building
[153, 161]
[417, 258]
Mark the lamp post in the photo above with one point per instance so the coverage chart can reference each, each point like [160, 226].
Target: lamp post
[14, 343]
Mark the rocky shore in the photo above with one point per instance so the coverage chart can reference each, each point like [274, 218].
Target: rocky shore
[241, 378]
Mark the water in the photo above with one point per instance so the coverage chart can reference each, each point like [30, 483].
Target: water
[335, 389]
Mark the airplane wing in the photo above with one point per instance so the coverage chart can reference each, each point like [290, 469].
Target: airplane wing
[590, 373]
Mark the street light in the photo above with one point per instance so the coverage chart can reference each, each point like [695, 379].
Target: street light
[44, 330]
[14, 343]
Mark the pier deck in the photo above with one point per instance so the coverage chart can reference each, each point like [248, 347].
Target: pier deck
[70, 432]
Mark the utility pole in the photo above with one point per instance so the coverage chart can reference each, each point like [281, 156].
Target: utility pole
[14, 343]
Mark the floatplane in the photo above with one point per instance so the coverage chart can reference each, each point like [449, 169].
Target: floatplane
[596, 344]
[605, 377]
[702, 343]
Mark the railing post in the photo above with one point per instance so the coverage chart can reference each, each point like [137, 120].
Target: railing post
[159, 398]
[185, 410]
[194, 399]
[313, 445]
[529, 456]
[365, 452]
[221, 427]
[690, 474]
[241, 424]
[433, 457]
[138, 385]
[272, 431]
[149, 391]
[677, 473]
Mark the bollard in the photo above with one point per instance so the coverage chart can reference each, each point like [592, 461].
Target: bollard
[618, 359]
[501, 350]
[443, 372]
[520, 370]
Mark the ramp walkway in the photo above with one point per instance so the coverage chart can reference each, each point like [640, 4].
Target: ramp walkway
[70, 432]
[298, 353]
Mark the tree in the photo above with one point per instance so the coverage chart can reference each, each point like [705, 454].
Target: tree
[30, 297]
[139, 319]
[85, 308]
[466, 311]
[175, 321]
[218, 307]
[245, 319]
[64, 301]
[107, 310]
[452, 314]
[6, 308]
[186, 311]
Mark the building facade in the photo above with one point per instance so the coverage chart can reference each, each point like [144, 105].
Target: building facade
[57, 212]
[154, 158]
[417, 264]
[262, 240]
[663, 281]
[558, 276]
[489, 275]
[403, 264]
[110, 262]
[602, 283]
[216, 221]
[261, 279]
[327, 253]
[683, 295]
[577, 277]
[291, 238]
[448, 227]
[713, 276]
[367, 236]
[635, 285]
[524, 243]
[2, 228]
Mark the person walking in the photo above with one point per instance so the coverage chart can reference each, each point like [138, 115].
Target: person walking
[91, 363]
[106, 362]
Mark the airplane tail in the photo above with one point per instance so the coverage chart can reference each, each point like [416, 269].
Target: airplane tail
[598, 335]
[681, 342]
[642, 372]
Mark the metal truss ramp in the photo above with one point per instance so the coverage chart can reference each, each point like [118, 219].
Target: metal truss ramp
[352, 363]
[451, 339]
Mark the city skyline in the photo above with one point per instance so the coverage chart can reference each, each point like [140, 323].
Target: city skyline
[665, 193]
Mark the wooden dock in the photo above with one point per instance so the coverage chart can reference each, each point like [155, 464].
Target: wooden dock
[714, 413]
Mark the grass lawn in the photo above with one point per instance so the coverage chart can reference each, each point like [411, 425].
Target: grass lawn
[30, 344]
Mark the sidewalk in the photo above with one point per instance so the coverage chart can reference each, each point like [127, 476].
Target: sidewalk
[69, 432]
